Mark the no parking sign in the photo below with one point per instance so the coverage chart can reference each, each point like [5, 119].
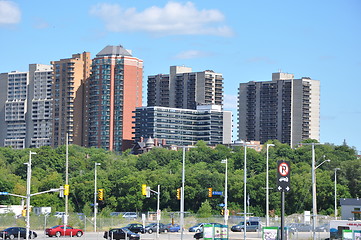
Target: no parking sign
[283, 176]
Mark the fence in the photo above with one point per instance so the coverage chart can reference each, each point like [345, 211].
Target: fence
[105, 223]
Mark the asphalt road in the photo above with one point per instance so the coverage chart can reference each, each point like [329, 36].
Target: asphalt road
[187, 236]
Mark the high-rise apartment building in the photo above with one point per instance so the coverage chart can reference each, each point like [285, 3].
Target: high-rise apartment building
[115, 90]
[69, 112]
[3, 97]
[16, 109]
[39, 131]
[26, 112]
[185, 89]
[285, 109]
[182, 127]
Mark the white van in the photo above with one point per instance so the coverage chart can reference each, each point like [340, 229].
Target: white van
[130, 215]
[59, 214]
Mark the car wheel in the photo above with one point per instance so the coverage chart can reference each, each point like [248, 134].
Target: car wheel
[11, 236]
[150, 231]
[79, 234]
[57, 234]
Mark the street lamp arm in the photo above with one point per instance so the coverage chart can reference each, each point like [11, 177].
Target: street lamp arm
[16, 195]
[328, 160]
[153, 191]
[51, 190]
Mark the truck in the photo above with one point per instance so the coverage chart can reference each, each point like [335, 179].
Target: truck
[337, 226]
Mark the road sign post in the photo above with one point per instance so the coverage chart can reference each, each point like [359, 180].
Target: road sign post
[283, 185]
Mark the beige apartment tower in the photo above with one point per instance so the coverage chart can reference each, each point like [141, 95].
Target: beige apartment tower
[69, 112]
[286, 109]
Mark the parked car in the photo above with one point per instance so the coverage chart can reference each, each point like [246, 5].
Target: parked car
[299, 227]
[16, 232]
[323, 228]
[130, 215]
[121, 233]
[135, 227]
[196, 228]
[61, 230]
[152, 227]
[172, 227]
[59, 214]
[116, 214]
[198, 235]
[251, 226]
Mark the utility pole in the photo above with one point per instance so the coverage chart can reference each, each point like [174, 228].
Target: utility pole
[267, 188]
[336, 169]
[28, 186]
[225, 192]
[66, 181]
[95, 196]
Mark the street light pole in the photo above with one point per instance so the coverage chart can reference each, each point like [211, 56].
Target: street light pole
[314, 197]
[267, 187]
[66, 180]
[336, 192]
[95, 196]
[158, 211]
[182, 190]
[28, 185]
[245, 191]
[226, 193]
[182, 194]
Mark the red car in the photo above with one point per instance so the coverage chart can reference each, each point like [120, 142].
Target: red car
[59, 230]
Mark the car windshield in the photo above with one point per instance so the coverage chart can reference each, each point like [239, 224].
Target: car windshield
[56, 226]
[127, 230]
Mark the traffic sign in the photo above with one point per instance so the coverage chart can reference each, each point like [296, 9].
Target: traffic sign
[217, 193]
[283, 176]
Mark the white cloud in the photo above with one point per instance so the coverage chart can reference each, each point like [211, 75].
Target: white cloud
[9, 13]
[173, 19]
[192, 54]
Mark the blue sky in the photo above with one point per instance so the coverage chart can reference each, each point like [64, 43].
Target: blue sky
[243, 40]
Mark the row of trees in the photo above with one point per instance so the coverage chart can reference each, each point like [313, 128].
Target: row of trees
[121, 177]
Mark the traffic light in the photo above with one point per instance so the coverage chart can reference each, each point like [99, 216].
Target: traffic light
[222, 211]
[23, 212]
[66, 190]
[100, 194]
[178, 193]
[210, 192]
[144, 189]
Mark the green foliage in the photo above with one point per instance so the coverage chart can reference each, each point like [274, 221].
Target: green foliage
[205, 211]
[122, 175]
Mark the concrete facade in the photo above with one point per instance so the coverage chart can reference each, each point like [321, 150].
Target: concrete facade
[182, 88]
[69, 112]
[285, 109]
[182, 127]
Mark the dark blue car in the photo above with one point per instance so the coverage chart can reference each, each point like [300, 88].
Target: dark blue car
[173, 227]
